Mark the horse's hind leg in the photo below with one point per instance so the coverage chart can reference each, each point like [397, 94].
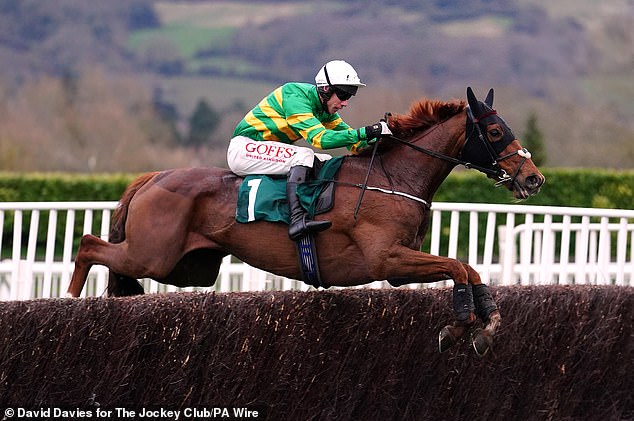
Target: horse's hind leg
[95, 251]
[83, 264]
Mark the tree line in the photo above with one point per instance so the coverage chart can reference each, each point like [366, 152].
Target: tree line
[96, 123]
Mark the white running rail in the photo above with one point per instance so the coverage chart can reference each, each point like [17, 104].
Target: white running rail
[506, 244]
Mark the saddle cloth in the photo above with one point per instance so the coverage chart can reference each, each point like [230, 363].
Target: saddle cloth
[263, 198]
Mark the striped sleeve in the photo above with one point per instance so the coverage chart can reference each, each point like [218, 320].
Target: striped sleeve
[330, 133]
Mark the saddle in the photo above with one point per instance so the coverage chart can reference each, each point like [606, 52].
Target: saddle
[263, 198]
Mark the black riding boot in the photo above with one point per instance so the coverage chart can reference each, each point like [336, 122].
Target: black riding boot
[300, 224]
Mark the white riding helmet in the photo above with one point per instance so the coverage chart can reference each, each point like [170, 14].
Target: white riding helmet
[338, 72]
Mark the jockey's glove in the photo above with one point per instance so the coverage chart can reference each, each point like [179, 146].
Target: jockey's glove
[376, 131]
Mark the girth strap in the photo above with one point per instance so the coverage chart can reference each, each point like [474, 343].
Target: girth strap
[307, 255]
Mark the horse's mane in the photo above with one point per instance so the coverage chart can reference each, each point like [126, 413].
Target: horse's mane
[423, 115]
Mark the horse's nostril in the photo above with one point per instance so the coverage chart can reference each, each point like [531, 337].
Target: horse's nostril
[534, 181]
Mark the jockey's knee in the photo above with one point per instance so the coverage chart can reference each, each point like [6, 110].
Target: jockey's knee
[303, 157]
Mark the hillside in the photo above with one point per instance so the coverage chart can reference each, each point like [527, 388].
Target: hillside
[564, 60]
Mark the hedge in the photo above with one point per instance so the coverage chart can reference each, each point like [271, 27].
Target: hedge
[62, 187]
[562, 353]
[588, 188]
[598, 188]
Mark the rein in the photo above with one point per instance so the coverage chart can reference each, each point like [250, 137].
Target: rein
[494, 170]
[499, 173]
[365, 182]
[466, 164]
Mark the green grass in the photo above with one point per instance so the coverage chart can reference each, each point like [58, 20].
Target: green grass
[194, 26]
[236, 14]
[237, 67]
[188, 39]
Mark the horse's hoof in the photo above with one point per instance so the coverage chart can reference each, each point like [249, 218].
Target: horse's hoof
[446, 339]
[482, 342]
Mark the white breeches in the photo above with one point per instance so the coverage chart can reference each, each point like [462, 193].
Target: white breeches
[246, 156]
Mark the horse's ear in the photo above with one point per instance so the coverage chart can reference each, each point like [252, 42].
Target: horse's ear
[472, 100]
[489, 100]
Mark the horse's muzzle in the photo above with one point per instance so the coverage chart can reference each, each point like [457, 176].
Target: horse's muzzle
[530, 186]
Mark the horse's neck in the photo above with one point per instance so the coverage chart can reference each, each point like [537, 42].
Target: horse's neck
[420, 173]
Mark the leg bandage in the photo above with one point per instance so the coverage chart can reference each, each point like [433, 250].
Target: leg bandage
[484, 302]
[462, 301]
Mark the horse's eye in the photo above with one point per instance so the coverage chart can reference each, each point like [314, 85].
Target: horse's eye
[495, 133]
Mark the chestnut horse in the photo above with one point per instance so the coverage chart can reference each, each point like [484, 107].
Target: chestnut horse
[176, 226]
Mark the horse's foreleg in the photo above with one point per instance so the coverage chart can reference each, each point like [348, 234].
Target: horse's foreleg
[413, 266]
[463, 307]
[487, 310]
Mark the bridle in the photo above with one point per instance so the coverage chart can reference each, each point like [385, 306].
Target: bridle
[477, 136]
[469, 155]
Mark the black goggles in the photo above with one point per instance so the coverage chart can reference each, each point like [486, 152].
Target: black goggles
[344, 93]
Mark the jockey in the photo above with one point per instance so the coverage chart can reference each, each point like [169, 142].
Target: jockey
[262, 142]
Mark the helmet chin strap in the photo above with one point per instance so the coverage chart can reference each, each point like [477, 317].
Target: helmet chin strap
[326, 95]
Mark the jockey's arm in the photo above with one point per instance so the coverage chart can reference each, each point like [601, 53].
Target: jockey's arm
[333, 133]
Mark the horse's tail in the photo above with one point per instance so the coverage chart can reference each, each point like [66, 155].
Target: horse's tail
[119, 285]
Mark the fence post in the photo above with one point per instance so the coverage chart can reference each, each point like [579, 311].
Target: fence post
[16, 252]
[603, 257]
[507, 250]
[526, 250]
[49, 254]
[548, 238]
[487, 258]
[581, 252]
[564, 251]
[24, 290]
[621, 250]
[68, 247]
[473, 239]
